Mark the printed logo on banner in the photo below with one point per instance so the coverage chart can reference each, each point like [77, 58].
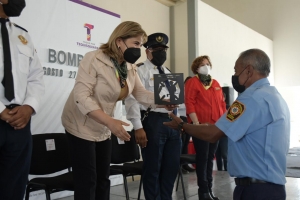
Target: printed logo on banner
[88, 42]
[88, 27]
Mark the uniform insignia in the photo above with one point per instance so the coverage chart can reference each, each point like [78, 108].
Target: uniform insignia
[151, 79]
[217, 88]
[139, 64]
[22, 39]
[154, 67]
[159, 38]
[235, 111]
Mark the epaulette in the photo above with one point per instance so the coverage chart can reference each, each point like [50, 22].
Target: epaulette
[20, 27]
[168, 69]
[139, 64]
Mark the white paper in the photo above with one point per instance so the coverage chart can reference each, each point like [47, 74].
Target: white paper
[50, 145]
[121, 141]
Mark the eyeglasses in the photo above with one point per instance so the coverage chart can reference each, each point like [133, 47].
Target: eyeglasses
[157, 49]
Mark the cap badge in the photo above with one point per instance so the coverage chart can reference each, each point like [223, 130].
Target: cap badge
[22, 39]
[159, 39]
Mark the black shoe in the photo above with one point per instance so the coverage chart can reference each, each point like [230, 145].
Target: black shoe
[204, 196]
[184, 171]
[188, 168]
[213, 196]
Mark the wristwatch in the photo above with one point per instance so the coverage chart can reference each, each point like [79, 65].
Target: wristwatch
[180, 126]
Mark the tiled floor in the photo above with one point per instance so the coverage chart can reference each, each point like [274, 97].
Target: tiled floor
[223, 188]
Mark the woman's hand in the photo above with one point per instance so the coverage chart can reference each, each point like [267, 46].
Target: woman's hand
[116, 127]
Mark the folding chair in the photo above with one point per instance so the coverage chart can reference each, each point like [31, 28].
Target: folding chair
[129, 154]
[50, 154]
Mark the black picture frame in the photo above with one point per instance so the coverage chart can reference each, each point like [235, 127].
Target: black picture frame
[175, 89]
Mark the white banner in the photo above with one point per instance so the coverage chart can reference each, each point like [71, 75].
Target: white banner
[62, 32]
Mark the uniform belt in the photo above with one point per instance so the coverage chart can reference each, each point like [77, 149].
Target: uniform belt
[165, 115]
[12, 106]
[247, 181]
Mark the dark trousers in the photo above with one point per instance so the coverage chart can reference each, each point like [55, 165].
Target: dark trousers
[221, 153]
[268, 191]
[90, 166]
[205, 153]
[15, 156]
[161, 158]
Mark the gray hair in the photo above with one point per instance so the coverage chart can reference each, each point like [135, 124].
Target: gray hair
[258, 59]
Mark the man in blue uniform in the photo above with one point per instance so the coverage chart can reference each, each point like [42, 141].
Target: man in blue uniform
[258, 128]
[21, 88]
[161, 145]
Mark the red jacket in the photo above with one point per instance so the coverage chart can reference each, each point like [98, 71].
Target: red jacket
[208, 104]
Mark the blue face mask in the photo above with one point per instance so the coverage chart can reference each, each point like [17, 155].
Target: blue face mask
[236, 84]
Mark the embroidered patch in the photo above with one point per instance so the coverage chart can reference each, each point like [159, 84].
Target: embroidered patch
[235, 111]
[217, 88]
[22, 39]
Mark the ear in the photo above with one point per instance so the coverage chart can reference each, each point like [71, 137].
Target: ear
[250, 70]
[118, 42]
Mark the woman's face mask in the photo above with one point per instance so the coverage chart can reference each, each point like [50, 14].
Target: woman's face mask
[205, 70]
[131, 54]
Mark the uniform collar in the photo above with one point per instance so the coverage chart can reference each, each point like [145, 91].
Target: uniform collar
[260, 82]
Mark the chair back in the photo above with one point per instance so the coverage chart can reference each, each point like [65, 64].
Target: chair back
[52, 159]
[128, 152]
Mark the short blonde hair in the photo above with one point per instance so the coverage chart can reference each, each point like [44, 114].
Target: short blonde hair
[196, 63]
[125, 30]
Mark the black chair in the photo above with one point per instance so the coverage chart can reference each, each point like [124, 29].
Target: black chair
[47, 162]
[127, 154]
[184, 159]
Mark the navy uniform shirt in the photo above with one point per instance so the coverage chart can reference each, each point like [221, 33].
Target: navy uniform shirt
[26, 69]
[258, 127]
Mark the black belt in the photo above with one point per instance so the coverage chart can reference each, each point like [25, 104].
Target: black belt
[248, 181]
[12, 106]
[165, 115]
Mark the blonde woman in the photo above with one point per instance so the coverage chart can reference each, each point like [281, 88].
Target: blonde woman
[105, 76]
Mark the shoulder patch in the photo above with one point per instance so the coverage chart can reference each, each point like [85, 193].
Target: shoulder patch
[235, 111]
[20, 27]
[139, 64]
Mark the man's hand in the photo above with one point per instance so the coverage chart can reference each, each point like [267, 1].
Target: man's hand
[174, 123]
[20, 116]
[5, 115]
[141, 137]
[116, 127]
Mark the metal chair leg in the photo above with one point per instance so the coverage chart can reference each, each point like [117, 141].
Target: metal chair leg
[47, 193]
[182, 184]
[140, 187]
[126, 187]
[178, 176]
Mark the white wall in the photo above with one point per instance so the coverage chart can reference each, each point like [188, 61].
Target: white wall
[152, 15]
[286, 37]
[223, 39]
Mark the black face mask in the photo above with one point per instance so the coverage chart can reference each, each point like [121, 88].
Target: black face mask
[236, 84]
[159, 57]
[14, 7]
[131, 55]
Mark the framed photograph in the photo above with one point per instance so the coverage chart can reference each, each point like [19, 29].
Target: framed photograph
[168, 88]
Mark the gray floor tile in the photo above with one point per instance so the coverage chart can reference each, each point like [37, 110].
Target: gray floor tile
[223, 188]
